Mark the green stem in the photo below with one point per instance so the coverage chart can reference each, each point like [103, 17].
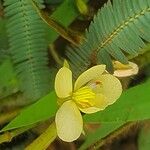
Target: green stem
[44, 140]
[71, 36]
[55, 55]
[119, 132]
[8, 136]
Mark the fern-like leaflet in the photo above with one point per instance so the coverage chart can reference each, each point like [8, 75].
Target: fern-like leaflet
[28, 47]
[123, 26]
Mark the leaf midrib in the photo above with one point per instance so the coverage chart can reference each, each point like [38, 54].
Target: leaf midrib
[120, 28]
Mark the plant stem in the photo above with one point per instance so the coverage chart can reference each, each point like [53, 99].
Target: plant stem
[71, 36]
[124, 129]
[55, 55]
[8, 136]
[44, 140]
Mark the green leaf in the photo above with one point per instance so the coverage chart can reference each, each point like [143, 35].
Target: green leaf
[28, 49]
[65, 14]
[67, 9]
[144, 136]
[104, 130]
[52, 2]
[3, 35]
[120, 26]
[43, 109]
[8, 83]
[133, 105]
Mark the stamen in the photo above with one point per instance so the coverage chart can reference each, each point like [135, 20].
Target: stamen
[84, 97]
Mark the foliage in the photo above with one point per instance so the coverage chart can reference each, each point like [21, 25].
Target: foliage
[111, 118]
[3, 35]
[143, 143]
[27, 46]
[116, 28]
[132, 106]
[33, 113]
[8, 83]
[119, 31]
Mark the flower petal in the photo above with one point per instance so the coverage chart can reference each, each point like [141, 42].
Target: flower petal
[63, 82]
[88, 75]
[100, 104]
[126, 70]
[69, 122]
[111, 87]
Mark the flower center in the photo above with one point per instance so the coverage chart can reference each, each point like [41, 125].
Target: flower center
[84, 97]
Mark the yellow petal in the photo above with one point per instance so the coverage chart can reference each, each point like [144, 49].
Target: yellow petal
[100, 104]
[63, 82]
[126, 70]
[118, 65]
[88, 75]
[69, 122]
[111, 87]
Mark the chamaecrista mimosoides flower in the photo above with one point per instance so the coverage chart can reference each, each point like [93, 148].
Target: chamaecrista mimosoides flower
[93, 91]
[121, 70]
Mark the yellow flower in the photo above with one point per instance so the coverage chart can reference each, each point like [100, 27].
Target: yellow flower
[93, 91]
[122, 70]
